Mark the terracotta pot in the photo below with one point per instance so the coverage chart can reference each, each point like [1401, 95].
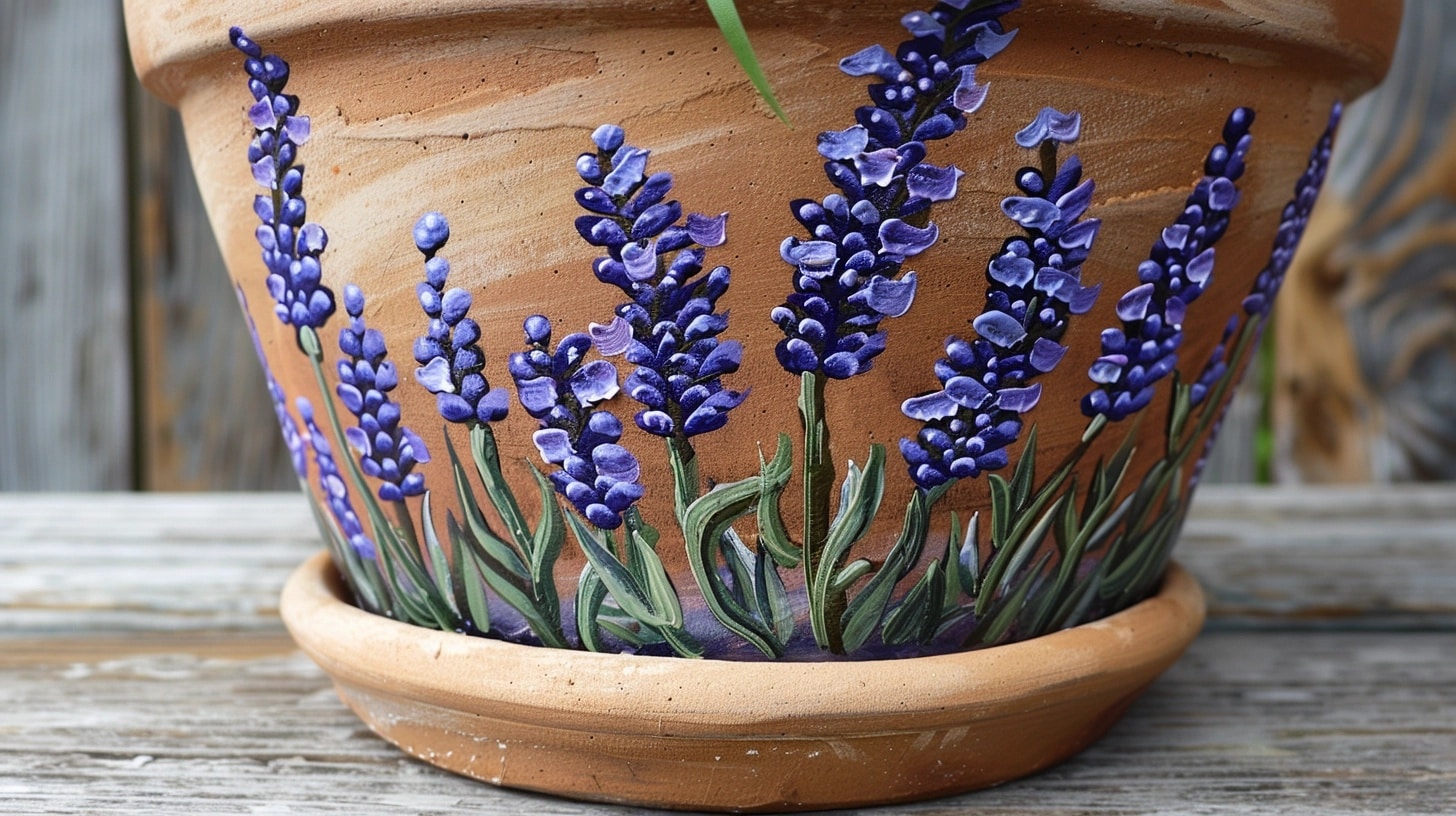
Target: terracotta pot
[932, 371]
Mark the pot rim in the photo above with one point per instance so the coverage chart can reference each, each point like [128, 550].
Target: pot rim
[169, 39]
[659, 696]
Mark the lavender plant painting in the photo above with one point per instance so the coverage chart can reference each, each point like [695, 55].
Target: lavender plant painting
[614, 477]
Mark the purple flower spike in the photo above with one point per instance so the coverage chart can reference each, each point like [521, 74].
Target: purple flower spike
[670, 328]
[859, 237]
[388, 451]
[335, 490]
[1035, 286]
[452, 364]
[1144, 350]
[291, 437]
[291, 246]
[1293, 222]
[562, 389]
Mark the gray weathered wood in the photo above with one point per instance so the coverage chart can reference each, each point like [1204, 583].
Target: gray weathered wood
[205, 422]
[143, 669]
[64, 320]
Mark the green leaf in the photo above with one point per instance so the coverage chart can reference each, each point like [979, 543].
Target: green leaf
[545, 550]
[619, 581]
[590, 594]
[773, 603]
[726, 13]
[472, 576]
[500, 552]
[1009, 558]
[1000, 510]
[859, 503]
[969, 560]
[642, 541]
[1178, 411]
[867, 608]
[1025, 475]
[903, 623]
[772, 534]
[624, 634]
[704, 524]
[487, 464]
[852, 572]
[994, 626]
[439, 563]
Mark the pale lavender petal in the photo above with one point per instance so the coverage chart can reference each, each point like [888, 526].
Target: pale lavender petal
[1045, 354]
[297, 129]
[594, 382]
[416, 445]
[1019, 400]
[265, 172]
[1134, 304]
[611, 339]
[933, 183]
[616, 463]
[968, 96]
[435, 377]
[877, 167]
[1032, 213]
[838, 145]
[1052, 124]
[920, 24]
[1200, 268]
[999, 328]
[629, 166]
[899, 238]
[891, 298]
[708, 230]
[873, 60]
[814, 258]
[554, 444]
[640, 261]
[261, 114]
[990, 43]
[1106, 370]
[537, 394]
[1012, 270]
[929, 407]
[967, 393]
[358, 440]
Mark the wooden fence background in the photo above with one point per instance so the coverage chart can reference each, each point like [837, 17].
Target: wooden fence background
[126, 365]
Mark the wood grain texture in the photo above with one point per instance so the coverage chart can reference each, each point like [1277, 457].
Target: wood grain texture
[142, 669]
[64, 319]
[205, 422]
[1366, 383]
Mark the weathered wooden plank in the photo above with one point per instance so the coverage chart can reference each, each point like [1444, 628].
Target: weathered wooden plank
[1313, 723]
[1367, 325]
[64, 327]
[204, 419]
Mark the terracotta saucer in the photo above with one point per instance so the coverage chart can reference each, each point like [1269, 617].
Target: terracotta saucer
[722, 735]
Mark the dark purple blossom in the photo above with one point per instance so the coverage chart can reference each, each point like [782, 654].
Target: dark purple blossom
[1144, 350]
[335, 491]
[452, 364]
[848, 271]
[561, 389]
[1034, 286]
[1293, 222]
[669, 329]
[291, 244]
[388, 451]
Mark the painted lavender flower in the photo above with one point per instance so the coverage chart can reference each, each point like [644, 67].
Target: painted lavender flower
[670, 327]
[1035, 284]
[598, 476]
[1144, 350]
[388, 451]
[1293, 221]
[291, 245]
[847, 273]
[452, 363]
[335, 491]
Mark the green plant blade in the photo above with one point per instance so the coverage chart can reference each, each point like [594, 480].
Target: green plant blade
[725, 12]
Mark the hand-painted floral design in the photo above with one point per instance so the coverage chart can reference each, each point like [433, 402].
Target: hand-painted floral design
[452, 363]
[1145, 349]
[333, 487]
[1052, 548]
[388, 450]
[1033, 286]
[297, 445]
[562, 389]
[670, 328]
[847, 275]
[291, 244]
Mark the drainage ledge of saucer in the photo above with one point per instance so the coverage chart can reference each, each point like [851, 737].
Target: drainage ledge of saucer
[669, 455]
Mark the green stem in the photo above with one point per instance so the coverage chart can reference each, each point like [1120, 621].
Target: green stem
[826, 612]
[686, 483]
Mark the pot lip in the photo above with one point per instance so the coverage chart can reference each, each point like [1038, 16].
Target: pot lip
[645, 695]
[168, 38]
